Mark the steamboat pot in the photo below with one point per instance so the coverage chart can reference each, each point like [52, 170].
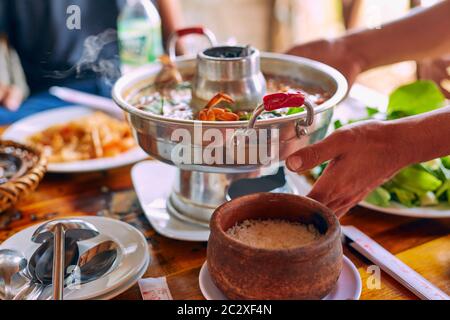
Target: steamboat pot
[157, 135]
[203, 181]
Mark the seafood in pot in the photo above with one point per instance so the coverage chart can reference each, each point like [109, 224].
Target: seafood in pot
[175, 102]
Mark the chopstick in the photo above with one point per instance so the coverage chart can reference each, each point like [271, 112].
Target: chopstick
[393, 266]
[89, 100]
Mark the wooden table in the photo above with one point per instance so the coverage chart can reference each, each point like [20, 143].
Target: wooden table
[424, 244]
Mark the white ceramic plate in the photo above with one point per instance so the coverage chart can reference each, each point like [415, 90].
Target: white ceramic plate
[153, 183]
[435, 212]
[441, 211]
[22, 129]
[348, 287]
[133, 257]
[112, 294]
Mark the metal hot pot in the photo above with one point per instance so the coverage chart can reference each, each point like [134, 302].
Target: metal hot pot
[202, 186]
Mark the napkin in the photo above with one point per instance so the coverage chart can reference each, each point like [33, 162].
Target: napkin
[155, 289]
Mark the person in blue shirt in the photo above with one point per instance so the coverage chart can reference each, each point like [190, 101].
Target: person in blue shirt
[50, 52]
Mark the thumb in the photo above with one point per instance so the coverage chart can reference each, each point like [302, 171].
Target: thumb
[313, 155]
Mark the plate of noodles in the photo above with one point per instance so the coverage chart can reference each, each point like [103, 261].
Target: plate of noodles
[78, 139]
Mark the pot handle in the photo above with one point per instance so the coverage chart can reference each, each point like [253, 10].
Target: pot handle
[277, 101]
[188, 31]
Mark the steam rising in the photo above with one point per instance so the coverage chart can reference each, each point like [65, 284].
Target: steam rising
[90, 59]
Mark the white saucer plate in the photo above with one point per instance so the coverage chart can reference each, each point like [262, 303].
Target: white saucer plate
[153, 182]
[132, 262]
[22, 129]
[348, 287]
[124, 287]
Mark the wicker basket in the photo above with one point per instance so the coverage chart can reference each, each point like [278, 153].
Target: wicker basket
[29, 174]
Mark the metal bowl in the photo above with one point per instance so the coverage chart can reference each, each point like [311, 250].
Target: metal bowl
[155, 134]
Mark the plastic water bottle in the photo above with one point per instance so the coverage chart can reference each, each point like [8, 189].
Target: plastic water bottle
[139, 32]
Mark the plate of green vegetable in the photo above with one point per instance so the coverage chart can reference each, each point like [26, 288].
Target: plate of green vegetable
[420, 190]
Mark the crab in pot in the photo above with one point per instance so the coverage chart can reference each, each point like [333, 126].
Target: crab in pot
[212, 111]
[271, 102]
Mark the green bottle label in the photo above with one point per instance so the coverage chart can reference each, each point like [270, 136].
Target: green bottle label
[139, 43]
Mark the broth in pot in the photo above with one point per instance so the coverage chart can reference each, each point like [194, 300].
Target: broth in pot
[175, 103]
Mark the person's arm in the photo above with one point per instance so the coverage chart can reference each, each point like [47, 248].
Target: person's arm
[365, 155]
[171, 16]
[11, 95]
[422, 34]
[13, 87]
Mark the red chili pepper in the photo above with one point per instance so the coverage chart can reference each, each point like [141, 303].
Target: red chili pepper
[283, 100]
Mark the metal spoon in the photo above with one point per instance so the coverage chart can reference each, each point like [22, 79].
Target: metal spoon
[58, 230]
[18, 281]
[38, 275]
[30, 292]
[40, 266]
[11, 262]
[93, 264]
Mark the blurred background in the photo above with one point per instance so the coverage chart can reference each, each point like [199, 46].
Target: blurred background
[276, 25]
[116, 36]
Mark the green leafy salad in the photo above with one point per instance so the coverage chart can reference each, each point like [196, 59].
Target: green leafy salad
[424, 184]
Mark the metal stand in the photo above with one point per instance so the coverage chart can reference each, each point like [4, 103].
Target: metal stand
[197, 194]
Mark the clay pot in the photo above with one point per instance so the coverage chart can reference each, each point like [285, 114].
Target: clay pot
[244, 272]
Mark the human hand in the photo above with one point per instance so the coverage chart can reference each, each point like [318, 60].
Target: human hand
[362, 156]
[335, 53]
[11, 97]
